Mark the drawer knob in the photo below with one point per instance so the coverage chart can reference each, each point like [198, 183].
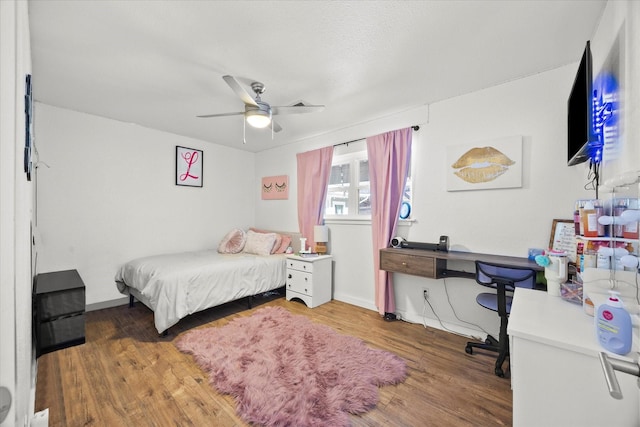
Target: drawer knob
[290, 276]
[404, 263]
[306, 278]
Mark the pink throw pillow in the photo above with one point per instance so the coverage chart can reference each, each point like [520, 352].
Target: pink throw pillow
[259, 243]
[233, 242]
[281, 243]
[286, 242]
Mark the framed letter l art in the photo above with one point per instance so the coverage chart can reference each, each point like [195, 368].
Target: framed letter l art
[188, 167]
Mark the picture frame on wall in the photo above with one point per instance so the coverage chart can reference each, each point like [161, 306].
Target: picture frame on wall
[189, 163]
[485, 165]
[275, 187]
[563, 237]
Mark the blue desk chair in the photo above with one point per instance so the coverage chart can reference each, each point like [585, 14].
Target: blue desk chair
[503, 279]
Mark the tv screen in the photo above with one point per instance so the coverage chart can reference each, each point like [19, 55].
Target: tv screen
[582, 143]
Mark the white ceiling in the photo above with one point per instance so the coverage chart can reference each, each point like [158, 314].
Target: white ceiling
[160, 63]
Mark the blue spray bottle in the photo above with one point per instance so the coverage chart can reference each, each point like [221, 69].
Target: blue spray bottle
[613, 325]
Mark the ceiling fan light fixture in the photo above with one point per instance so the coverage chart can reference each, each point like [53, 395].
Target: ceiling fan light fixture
[257, 113]
[258, 118]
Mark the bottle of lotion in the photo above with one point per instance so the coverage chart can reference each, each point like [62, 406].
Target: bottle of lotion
[613, 325]
[590, 220]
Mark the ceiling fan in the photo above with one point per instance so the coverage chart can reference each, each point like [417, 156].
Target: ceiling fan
[258, 113]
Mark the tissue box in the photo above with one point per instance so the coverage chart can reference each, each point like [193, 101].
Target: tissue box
[572, 292]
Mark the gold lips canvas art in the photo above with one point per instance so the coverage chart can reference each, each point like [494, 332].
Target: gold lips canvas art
[485, 165]
[481, 165]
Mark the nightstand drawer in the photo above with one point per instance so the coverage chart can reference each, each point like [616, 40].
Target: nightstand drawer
[295, 264]
[408, 264]
[60, 333]
[60, 303]
[299, 281]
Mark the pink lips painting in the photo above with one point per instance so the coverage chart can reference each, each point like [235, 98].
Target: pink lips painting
[480, 165]
[485, 165]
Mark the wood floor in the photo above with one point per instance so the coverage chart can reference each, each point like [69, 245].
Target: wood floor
[128, 375]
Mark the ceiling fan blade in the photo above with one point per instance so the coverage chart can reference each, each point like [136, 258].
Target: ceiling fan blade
[297, 109]
[220, 115]
[239, 90]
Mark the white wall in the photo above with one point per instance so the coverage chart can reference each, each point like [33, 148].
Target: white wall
[107, 194]
[505, 222]
[17, 360]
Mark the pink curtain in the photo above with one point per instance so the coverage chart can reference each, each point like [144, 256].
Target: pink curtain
[389, 157]
[314, 169]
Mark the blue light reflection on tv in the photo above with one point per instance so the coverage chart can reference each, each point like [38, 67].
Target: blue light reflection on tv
[606, 117]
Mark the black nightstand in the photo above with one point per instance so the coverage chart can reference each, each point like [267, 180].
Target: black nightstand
[59, 306]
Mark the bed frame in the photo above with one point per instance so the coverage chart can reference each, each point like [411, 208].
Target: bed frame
[134, 294]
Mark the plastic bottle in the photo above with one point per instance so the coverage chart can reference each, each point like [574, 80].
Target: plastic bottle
[579, 254]
[580, 206]
[603, 261]
[613, 325]
[576, 217]
[589, 258]
[599, 212]
[630, 230]
[617, 228]
[589, 220]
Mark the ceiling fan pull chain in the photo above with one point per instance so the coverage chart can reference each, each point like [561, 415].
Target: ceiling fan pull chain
[244, 131]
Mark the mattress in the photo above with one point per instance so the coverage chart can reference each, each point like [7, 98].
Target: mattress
[176, 285]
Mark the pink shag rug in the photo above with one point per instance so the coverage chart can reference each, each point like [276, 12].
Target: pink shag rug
[285, 370]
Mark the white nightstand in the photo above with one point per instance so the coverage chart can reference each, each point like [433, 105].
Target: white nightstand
[309, 279]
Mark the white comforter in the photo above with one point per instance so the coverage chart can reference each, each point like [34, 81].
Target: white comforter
[176, 285]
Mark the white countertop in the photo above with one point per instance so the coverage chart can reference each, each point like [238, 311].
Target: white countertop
[540, 317]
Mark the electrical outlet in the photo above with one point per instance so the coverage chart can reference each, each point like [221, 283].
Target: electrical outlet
[425, 293]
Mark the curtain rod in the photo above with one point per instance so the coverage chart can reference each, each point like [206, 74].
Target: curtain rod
[414, 127]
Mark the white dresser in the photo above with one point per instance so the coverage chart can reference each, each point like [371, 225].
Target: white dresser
[309, 279]
[556, 376]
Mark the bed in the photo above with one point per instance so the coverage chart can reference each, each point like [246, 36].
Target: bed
[176, 285]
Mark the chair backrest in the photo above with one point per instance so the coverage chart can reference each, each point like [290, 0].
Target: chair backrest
[489, 274]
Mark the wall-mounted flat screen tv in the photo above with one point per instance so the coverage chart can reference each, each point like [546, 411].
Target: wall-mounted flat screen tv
[582, 144]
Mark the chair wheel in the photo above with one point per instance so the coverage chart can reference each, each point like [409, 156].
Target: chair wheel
[500, 372]
[468, 349]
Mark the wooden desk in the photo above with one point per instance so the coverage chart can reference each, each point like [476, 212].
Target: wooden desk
[433, 264]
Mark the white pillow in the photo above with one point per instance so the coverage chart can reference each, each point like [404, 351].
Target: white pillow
[259, 243]
[233, 242]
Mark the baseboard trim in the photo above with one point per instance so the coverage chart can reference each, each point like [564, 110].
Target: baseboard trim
[107, 304]
[355, 301]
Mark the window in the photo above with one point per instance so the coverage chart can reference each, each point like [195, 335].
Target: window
[348, 193]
